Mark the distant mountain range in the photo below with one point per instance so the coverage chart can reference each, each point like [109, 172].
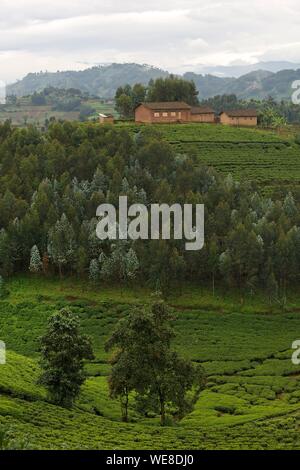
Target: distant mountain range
[239, 70]
[104, 80]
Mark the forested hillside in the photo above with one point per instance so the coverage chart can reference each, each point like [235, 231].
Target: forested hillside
[103, 81]
[52, 183]
[234, 305]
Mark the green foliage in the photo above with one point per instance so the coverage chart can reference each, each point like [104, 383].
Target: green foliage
[61, 244]
[248, 154]
[271, 118]
[94, 271]
[35, 260]
[121, 265]
[51, 188]
[9, 442]
[63, 350]
[100, 81]
[144, 338]
[4, 292]
[162, 89]
[172, 88]
[251, 400]
[127, 98]
[271, 113]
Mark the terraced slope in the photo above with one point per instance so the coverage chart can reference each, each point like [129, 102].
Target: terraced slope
[248, 154]
[252, 399]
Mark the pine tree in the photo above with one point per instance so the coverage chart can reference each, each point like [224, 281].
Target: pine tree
[289, 205]
[6, 255]
[94, 271]
[132, 264]
[36, 264]
[61, 243]
[272, 288]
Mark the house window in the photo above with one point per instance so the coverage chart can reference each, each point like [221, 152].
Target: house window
[173, 114]
[179, 114]
[156, 114]
[165, 114]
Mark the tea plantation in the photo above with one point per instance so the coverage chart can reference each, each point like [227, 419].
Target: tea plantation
[252, 398]
[248, 154]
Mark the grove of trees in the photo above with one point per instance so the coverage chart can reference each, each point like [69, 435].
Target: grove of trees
[144, 366]
[171, 88]
[53, 182]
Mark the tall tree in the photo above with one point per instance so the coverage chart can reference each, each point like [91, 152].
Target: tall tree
[61, 243]
[144, 362]
[36, 264]
[63, 351]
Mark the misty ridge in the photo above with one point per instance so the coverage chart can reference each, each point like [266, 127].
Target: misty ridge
[103, 80]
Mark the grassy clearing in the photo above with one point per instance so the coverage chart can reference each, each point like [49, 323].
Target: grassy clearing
[25, 113]
[28, 114]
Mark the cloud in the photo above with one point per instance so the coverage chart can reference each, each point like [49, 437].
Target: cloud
[172, 34]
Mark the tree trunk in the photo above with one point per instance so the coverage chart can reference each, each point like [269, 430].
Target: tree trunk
[60, 270]
[124, 407]
[162, 412]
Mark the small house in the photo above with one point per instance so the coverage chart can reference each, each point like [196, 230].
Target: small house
[202, 114]
[106, 119]
[164, 112]
[242, 117]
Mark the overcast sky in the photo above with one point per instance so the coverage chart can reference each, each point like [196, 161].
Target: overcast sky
[177, 35]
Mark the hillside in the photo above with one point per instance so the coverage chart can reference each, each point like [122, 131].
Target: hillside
[259, 84]
[53, 103]
[239, 70]
[240, 332]
[271, 160]
[103, 81]
[252, 392]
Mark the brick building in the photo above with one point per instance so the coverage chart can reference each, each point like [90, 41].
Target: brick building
[242, 117]
[202, 114]
[166, 112]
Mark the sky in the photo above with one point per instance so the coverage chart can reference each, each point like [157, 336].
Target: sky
[176, 35]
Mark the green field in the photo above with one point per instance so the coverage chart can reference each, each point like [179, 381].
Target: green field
[102, 107]
[252, 399]
[35, 115]
[26, 114]
[265, 157]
